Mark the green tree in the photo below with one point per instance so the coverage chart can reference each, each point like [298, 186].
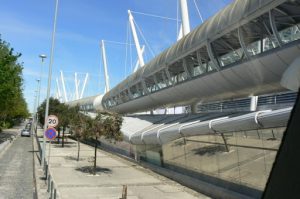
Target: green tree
[62, 111]
[12, 102]
[64, 116]
[54, 108]
[78, 125]
[107, 125]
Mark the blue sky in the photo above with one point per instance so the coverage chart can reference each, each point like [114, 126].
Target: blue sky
[81, 25]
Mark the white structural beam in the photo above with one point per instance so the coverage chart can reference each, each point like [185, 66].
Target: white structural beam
[105, 66]
[185, 17]
[136, 40]
[64, 87]
[179, 36]
[78, 84]
[253, 104]
[76, 87]
[138, 63]
[58, 89]
[84, 84]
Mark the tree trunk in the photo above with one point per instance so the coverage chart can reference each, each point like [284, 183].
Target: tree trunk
[58, 136]
[63, 138]
[78, 148]
[95, 158]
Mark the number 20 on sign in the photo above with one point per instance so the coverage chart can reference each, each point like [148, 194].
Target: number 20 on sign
[52, 121]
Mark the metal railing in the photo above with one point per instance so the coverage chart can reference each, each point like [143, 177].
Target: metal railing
[51, 189]
[279, 99]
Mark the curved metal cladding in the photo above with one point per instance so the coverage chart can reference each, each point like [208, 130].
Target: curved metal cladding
[97, 103]
[243, 50]
[88, 103]
[210, 124]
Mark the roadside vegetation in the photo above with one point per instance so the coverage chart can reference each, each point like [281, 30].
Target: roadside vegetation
[13, 107]
[82, 127]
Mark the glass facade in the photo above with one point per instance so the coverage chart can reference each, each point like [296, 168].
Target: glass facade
[243, 162]
[247, 163]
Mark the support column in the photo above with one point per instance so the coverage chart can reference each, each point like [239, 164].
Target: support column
[64, 87]
[185, 17]
[253, 103]
[105, 67]
[136, 40]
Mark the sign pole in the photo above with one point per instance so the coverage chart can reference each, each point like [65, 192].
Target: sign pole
[51, 133]
[49, 153]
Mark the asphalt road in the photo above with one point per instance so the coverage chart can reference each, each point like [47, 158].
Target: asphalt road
[16, 170]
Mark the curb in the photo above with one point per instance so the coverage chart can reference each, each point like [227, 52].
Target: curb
[4, 145]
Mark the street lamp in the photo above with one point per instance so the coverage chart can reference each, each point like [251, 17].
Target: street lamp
[33, 112]
[49, 84]
[34, 122]
[42, 56]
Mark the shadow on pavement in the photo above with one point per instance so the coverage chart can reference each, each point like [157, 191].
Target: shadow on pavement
[65, 146]
[32, 151]
[90, 169]
[73, 158]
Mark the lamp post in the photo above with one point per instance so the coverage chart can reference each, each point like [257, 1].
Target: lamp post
[33, 112]
[42, 56]
[49, 83]
[34, 119]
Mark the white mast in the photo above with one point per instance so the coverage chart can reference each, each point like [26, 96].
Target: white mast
[180, 33]
[58, 89]
[84, 84]
[136, 40]
[76, 87]
[138, 63]
[105, 66]
[63, 84]
[185, 17]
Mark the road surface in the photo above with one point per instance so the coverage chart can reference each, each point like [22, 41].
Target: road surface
[16, 169]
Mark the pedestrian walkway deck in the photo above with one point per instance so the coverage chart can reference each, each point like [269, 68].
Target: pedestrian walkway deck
[73, 179]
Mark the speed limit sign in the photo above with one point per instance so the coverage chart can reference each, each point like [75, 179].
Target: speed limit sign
[52, 121]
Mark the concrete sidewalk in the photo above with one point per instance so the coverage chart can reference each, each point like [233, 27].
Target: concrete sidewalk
[73, 180]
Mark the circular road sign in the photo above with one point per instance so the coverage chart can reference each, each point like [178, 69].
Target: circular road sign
[52, 121]
[50, 133]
